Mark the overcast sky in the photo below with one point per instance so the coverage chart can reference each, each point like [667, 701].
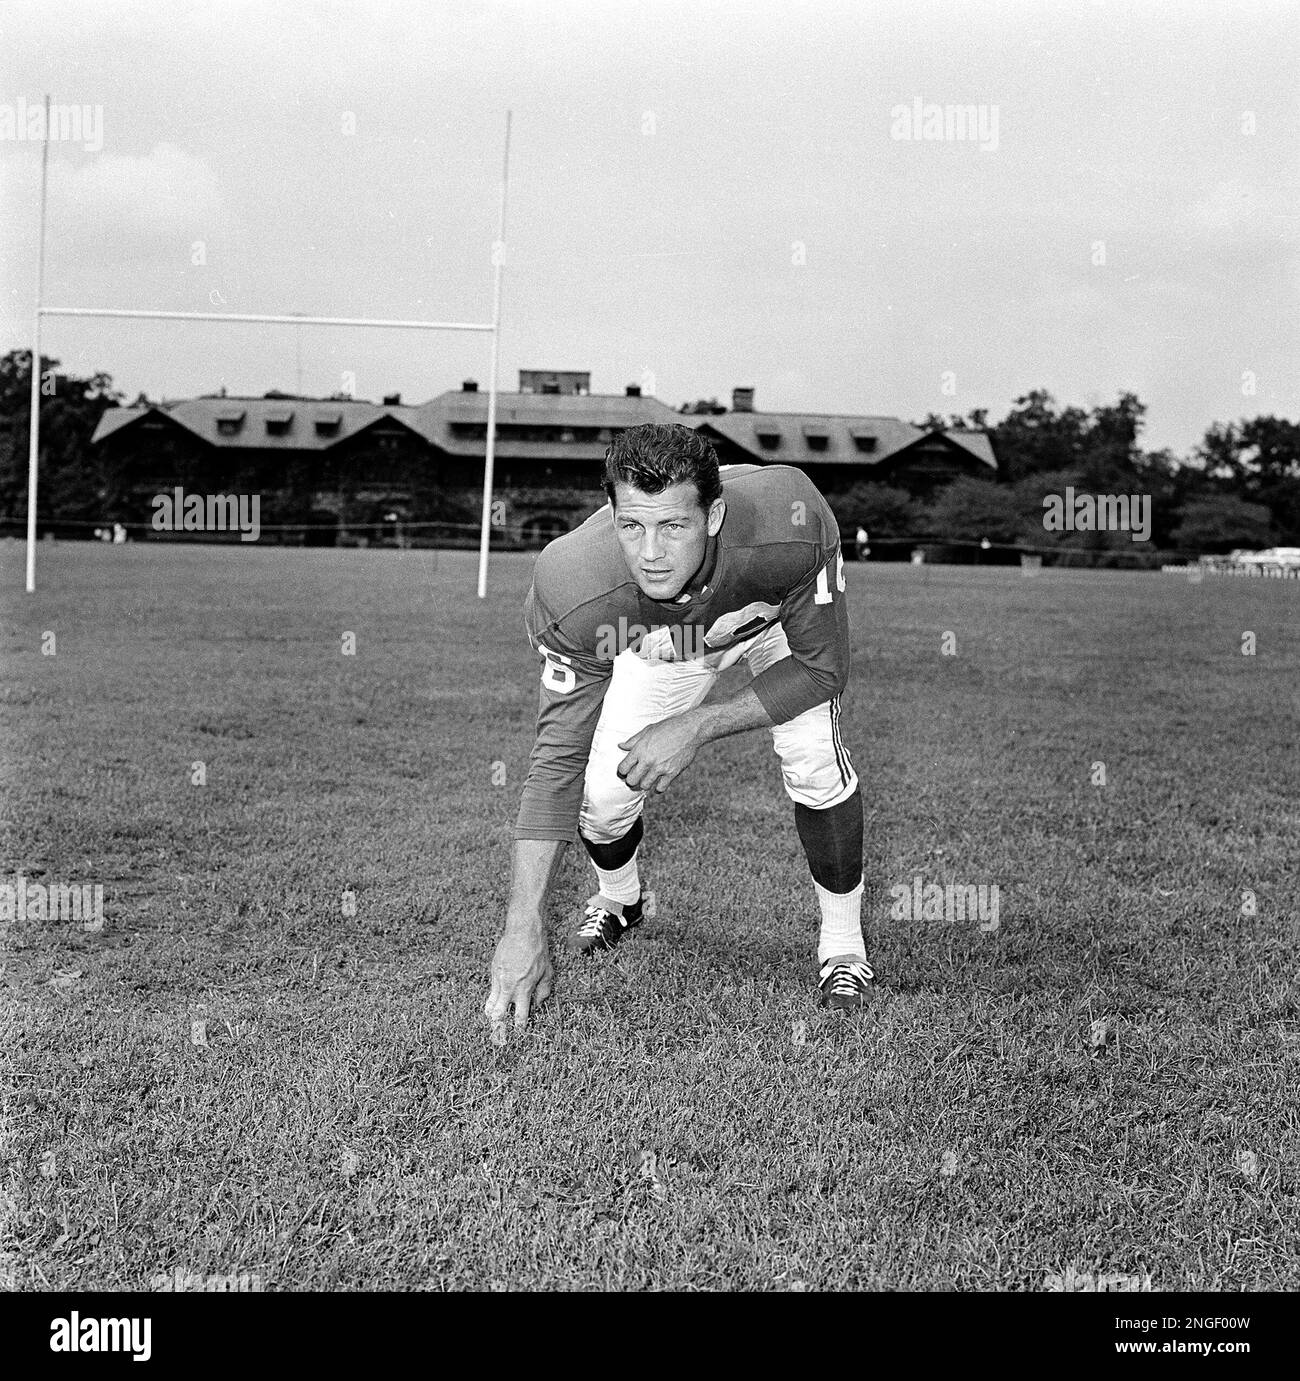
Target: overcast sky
[701, 195]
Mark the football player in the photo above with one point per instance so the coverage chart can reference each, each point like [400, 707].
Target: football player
[688, 570]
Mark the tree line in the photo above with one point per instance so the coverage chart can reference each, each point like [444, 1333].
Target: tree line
[1239, 487]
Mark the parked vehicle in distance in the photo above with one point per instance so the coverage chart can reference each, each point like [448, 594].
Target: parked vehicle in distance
[1271, 556]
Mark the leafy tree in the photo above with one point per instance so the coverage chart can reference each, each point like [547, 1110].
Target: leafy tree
[1172, 485]
[1220, 522]
[1034, 437]
[73, 483]
[975, 420]
[972, 509]
[1110, 445]
[1259, 460]
[932, 422]
[885, 511]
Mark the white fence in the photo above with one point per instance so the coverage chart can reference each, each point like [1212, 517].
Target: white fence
[1273, 572]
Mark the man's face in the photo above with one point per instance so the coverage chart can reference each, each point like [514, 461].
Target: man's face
[664, 536]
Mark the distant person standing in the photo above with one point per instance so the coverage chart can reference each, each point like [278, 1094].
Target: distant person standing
[864, 548]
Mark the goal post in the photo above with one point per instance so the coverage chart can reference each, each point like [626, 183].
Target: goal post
[491, 328]
[34, 420]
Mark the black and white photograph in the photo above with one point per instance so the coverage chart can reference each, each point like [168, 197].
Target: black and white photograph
[649, 647]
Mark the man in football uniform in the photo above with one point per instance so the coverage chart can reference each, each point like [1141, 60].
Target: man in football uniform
[688, 570]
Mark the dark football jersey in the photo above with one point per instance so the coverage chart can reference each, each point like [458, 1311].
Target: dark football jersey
[776, 557]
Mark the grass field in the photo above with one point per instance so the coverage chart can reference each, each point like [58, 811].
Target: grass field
[348, 1124]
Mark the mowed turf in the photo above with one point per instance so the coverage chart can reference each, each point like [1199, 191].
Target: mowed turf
[679, 1115]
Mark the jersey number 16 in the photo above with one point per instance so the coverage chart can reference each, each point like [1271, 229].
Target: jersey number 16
[823, 595]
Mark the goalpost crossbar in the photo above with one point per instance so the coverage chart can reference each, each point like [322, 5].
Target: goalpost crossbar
[267, 319]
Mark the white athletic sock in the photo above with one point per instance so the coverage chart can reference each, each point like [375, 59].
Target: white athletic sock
[623, 884]
[841, 923]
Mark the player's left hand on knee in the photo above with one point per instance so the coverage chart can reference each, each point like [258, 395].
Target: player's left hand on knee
[658, 754]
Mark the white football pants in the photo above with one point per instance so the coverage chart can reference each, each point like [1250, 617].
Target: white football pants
[815, 764]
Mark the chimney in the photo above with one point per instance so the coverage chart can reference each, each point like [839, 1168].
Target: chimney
[469, 386]
[742, 400]
[634, 390]
[392, 400]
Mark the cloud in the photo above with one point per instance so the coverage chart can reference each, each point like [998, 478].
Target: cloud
[1228, 208]
[123, 199]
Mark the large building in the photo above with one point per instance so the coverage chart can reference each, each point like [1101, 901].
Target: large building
[838, 450]
[550, 448]
[341, 470]
[319, 465]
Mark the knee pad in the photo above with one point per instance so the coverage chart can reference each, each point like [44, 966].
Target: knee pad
[608, 857]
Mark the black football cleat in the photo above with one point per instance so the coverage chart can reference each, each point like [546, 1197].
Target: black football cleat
[604, 923]
[845, 982]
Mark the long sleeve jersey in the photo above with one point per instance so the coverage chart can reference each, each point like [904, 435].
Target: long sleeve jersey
[776, 557]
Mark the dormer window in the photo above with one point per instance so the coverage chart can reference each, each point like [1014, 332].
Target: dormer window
[229, 422]
[863, 439]
[818, 438]
[327, 423]
[278, 421]
[769, 435]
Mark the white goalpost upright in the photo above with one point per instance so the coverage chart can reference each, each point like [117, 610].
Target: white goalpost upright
[34, 421]
[492, 328]
[489, 454]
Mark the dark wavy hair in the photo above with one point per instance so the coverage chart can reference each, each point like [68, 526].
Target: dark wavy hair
[655, 456]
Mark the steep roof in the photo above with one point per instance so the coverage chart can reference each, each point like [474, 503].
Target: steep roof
[437, 418]
[312, 424]
[114, 419]
[316, 424]
[977, 443]
[840, 432]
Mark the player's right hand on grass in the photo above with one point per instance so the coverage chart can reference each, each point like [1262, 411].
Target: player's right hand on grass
[521, 976]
